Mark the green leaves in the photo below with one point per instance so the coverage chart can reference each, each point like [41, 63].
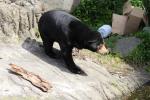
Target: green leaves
[141, 55]
[147, 7]
[137, 3]
[98, 12]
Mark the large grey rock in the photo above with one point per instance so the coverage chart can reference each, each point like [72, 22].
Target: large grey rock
[125, 46]
[100, 84]
[16, 22]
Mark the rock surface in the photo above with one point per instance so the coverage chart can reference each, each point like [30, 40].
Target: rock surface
[98, 85]
[19, 20]
[125, 45]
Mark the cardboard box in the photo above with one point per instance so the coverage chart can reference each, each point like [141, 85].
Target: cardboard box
[134, 20]
[119, 23]
[127, 8]
[122, 24]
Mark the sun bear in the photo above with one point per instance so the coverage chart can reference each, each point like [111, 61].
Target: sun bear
[62, 27]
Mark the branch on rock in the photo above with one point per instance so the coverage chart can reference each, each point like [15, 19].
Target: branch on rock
[36, 80]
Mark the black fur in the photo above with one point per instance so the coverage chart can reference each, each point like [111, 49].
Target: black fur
[69, 32]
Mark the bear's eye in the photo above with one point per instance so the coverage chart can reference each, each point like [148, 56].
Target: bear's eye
[92, 41]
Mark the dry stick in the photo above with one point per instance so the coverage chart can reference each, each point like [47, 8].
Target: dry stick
[36, 80]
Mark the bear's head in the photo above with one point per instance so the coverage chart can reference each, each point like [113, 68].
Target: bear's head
[97, 44]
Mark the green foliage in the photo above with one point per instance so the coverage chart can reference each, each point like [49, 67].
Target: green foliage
[137, 3]
[111, 41]
[143, 93]
[98, 12]
[146, 4]
[147, 8]
[141, 55]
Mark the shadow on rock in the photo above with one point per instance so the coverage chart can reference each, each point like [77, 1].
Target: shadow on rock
[37, 49]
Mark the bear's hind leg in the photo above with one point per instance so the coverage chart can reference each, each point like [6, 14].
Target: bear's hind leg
[48, 46]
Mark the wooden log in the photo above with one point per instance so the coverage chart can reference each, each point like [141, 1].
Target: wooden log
[36, 80]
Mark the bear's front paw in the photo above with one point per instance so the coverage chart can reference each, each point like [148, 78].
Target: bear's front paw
[77, 70]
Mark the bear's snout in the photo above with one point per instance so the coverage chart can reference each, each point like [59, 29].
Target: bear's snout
[102, 49]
